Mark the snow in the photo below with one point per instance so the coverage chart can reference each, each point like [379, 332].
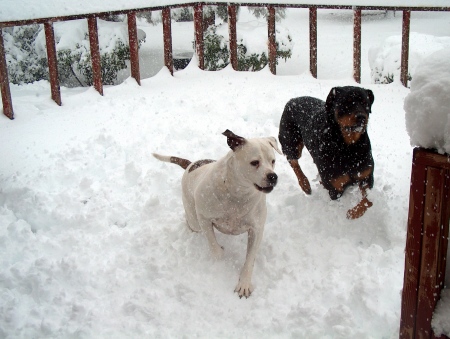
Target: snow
[13, 10]
[385, 59]
[427, 106]
[441, 319]
[93, 241]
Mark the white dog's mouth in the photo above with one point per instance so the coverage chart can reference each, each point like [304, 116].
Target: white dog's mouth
[267, 189]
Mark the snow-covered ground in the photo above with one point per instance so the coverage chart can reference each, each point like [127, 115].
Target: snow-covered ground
[93, 241]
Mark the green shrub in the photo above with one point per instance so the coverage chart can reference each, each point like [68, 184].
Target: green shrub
[216, 53]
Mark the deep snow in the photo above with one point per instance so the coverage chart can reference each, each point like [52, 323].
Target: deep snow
[93, 239]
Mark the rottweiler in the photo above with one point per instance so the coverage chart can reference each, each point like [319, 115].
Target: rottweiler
[335, 134]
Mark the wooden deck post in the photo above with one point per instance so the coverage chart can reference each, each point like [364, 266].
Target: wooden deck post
[167, 33]
[357, 45]
[233, 36]
[272, 40]
[134, 47]
[426, 242]
[313, 41]
[4, 81]
[198, 27]
[405, 47]
[95, 54]
[52, 62]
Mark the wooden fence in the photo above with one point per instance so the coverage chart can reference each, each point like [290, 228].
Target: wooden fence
[198, 26]
[426, 242]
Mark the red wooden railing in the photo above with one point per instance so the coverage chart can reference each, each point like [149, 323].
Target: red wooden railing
[198, 26]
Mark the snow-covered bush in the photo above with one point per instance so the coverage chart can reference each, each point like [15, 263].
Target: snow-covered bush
[25, 65]
[216, 52]
[427, 106]
[26, 52]
[385, 59]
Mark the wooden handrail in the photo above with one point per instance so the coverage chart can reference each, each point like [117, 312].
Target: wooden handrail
[198, 26]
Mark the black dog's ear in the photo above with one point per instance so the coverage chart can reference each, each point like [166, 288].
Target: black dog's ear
[371, 96]
[329, 104]
[233, 140]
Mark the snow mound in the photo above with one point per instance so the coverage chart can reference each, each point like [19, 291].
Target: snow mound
[427, 105]
[441, 319]
[385, 59]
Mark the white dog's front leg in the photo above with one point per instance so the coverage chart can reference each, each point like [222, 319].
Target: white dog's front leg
[208, 229]
[244, 286]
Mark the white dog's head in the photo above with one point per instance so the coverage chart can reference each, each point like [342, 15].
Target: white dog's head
[255, 160]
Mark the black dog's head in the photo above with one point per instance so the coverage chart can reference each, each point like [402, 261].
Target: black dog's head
[350, 106]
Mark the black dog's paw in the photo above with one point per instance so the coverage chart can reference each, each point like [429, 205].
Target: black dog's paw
[335, 194]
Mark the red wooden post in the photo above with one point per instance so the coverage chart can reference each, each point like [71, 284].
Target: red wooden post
[95, 54]
[405, 48]
[426, 243]
[272, 40]
[233, 36]
[52, 62]
[313, 41]
[413, 250]
[357, 45]
[134, 47]
[4, 82]
[167, 33]
[198, 26]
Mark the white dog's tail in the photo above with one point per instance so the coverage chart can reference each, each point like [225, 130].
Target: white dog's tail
[184, 163]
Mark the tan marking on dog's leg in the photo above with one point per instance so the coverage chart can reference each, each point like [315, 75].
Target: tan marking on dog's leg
[340, 182]
[301, 177]
[364, 174]
[361, 208]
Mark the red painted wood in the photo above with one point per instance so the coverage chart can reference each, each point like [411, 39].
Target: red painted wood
[427, 242]
[413, 249]
[4, 82]
[405, 48]
[233, 36]
[167, 34]
[134, 47]
[272, 40]
[95, 54]
[357, 45]
[52, 62]
[313, 41]
[427, 292]
[198, 27]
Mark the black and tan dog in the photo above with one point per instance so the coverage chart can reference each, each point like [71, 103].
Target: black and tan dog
[335, 134]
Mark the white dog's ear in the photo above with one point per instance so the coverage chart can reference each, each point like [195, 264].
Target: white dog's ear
[273, 142]
[233, 140]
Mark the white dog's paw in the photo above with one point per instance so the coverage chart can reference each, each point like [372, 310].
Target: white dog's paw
[217, 252]
[244, 289]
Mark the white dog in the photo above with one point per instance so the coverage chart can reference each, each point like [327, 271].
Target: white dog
[229, 194]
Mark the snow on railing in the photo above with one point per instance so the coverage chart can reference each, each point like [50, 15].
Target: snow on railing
[198, 26]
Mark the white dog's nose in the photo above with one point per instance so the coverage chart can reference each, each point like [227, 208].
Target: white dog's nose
[272, 178]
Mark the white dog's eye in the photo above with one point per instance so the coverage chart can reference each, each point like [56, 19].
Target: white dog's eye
[255, 163]
[273, 162]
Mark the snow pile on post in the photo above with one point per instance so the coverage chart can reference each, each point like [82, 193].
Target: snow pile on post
[427, 107]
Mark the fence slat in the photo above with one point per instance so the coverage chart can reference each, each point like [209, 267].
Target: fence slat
[95, 54]
[413, 249]
[52, 62]
[313, 41]
[134, 47]
[4, 81]
[428, 293]
[167, 33]
[405, 48]
[272, 40]
[233, 36]
[357, 45]
[198, 27]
